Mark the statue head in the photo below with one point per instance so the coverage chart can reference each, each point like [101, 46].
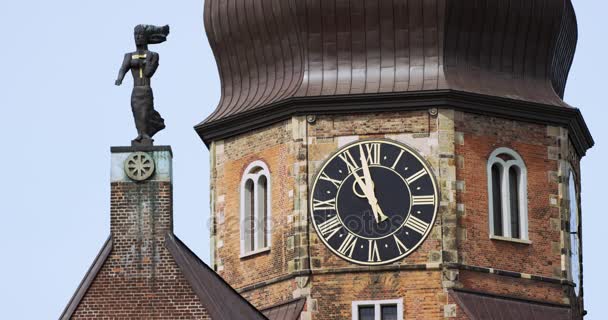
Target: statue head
[149, 34]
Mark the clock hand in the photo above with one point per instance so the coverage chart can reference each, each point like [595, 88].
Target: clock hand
[370, 196]
[370, 186]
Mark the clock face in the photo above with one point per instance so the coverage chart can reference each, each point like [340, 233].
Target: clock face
[374, 202]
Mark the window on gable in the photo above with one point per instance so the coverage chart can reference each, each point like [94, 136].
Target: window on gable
[255, 209]
[507, 195]
[378, 310]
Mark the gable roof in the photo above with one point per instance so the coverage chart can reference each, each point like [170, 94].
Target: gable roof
[481, 306]
[86, 282]
[215, 294]
[289, 310]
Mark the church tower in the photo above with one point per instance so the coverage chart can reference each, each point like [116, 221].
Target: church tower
[397, 159]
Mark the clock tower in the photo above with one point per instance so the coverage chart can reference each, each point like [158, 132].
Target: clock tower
[402, 159]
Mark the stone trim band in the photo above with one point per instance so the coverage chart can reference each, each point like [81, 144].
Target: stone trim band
[408, 267]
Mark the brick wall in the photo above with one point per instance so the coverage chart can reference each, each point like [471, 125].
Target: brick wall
[478, 136]
[140, 279]
[273, 147]
[293, 151]
[457, 146]
[421, 293]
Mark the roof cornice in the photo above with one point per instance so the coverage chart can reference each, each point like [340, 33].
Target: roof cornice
[566, 117]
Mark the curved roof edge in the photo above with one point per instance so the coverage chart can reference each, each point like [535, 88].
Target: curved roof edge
[570, 118]
[271, 51]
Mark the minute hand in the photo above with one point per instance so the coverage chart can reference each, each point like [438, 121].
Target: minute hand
[369, 189]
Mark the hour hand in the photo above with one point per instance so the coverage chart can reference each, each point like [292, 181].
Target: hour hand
[369, 189]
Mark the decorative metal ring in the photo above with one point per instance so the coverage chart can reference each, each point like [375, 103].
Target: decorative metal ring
[139, 166]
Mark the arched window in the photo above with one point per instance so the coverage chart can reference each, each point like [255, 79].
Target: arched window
[255, 209]
[574, 230]
[507, 195]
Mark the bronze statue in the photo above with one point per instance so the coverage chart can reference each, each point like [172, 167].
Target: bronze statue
[143, 64]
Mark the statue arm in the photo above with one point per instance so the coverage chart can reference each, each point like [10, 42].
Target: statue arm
[151, 65]
[126, 65]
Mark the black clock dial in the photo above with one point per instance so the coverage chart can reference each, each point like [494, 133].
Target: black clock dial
[374, 201]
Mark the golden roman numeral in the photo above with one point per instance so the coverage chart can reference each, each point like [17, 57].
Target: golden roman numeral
[324, 205]
[373, 254]
[349, 160]
[373, 153]
[416, 176]
[348, 245]
[330, 227]
[402, 248]
[397, 160]
[416, 224]
[325, 177]
[423, 200]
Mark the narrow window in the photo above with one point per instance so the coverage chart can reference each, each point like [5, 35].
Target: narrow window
[507, 195]
[574, 233]
[514, 201]
[255, 209]
[262, 211]
[497, 198]
[249, 215]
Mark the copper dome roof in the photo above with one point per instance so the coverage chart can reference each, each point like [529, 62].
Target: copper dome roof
[271, 52]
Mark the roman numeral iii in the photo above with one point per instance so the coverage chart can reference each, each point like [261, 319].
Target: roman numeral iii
[416, 224]
[423, 200]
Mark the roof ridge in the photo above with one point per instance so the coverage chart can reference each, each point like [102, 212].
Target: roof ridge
[206, 284]
[88, 279]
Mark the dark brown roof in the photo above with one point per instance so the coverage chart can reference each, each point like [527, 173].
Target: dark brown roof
[481, 306]
[215, 294]
[269, 51]
[218, 297]
[289, 310]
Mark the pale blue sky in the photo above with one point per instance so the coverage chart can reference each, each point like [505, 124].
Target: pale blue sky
[61, 113]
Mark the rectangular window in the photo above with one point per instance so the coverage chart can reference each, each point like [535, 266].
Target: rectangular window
[388, 312]
[378, 310]
[366, 312]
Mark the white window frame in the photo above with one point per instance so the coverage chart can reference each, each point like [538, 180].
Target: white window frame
[572, 179]
[377, 307]
[517, 162]
[254, 172]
